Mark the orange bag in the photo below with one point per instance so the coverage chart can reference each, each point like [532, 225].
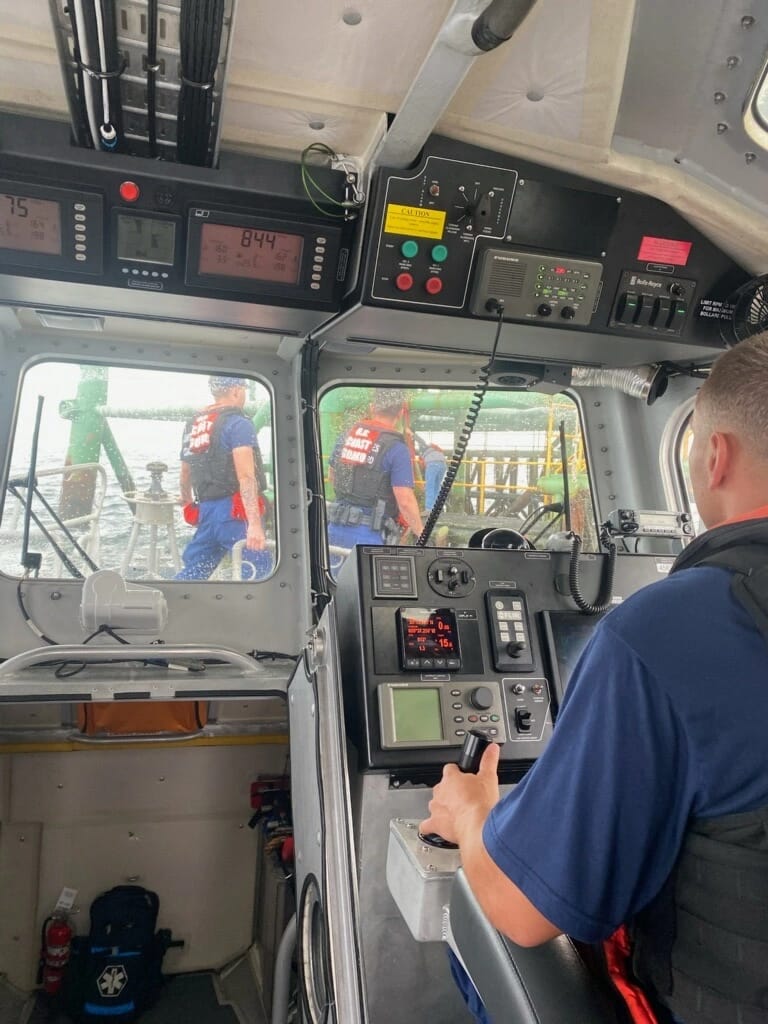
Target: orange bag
[148, 718]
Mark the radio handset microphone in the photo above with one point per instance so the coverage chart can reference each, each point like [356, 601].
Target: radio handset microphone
[471, 754]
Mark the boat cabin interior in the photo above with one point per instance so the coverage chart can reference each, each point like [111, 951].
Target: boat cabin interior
[532, 226]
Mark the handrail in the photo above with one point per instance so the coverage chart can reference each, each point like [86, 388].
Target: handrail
[89, 654]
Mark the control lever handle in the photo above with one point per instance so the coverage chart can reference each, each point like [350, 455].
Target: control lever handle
[472, 751]
[471, 754]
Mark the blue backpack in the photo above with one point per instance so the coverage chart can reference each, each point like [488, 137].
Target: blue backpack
[116, 971]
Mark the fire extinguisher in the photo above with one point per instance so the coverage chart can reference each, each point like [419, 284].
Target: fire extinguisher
[54, 954]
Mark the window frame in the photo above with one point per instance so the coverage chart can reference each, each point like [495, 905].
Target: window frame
[53, 358]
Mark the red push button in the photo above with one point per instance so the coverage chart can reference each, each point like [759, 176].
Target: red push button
[129, 191]
[404, 282]
[434, 285]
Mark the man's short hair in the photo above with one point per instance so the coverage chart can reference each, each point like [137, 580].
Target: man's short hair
[735, 395]
[219, 383]
[388, 400]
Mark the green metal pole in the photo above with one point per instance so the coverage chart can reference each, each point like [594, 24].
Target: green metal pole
[85, 436]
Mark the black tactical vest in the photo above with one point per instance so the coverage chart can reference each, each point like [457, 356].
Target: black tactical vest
[358, 478]
[211, 465]
[701, 946]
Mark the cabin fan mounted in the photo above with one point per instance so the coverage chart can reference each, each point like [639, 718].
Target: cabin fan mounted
[750, 312]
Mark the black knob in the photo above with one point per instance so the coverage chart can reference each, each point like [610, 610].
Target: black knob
[475, 743]
[515, 648]
[567, 312]
[677, 290]
[544, 309]
[481, 698]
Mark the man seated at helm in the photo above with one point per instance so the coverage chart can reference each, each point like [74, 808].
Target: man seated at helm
[220, 471]
[372, 474]
[649, 807]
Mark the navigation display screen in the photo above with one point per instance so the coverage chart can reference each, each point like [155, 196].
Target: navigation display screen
[146, 240]
[251, 253]
[30, 225]
[428, 633]
[417, 714]
[570, 634]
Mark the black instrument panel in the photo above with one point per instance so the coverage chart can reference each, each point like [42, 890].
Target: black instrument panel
[420, 670]
[245, 232]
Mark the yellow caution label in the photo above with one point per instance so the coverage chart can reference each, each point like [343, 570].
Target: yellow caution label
[414, 221]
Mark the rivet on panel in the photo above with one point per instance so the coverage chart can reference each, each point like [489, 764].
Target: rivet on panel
[608, 472]
[750, 157]
[56, 595]
[719, 97]
[733, 62]
[219, 597]
[747, 21]
[161, 779]
[351, 17]
[611, 497]
[722, 127]
[317, 126]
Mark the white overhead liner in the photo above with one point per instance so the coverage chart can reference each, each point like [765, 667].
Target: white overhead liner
[331, 71]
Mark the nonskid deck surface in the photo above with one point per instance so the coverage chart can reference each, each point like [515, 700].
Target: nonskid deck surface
[185, 999]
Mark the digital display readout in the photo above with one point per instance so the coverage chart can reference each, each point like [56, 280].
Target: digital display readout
[251, 253]
[30, 225]
[146, 240]
[417, 715]
[429, 633]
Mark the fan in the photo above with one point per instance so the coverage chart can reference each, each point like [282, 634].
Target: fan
[750, 311]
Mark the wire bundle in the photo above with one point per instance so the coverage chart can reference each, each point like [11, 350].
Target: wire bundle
[99, 69]
[200, 34]
[311, 185]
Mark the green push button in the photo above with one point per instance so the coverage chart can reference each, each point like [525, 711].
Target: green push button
[409, 249]
[439, 253]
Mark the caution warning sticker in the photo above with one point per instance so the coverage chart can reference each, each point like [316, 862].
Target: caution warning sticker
[414, 221]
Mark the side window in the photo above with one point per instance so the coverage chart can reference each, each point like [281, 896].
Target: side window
[156, 474]
[385, 453]
[682, 463]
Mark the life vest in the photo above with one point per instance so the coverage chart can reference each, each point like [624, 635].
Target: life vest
[358, 478]
[211, 465]
[700, 948]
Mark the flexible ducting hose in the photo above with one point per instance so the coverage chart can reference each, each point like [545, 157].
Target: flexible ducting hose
[645, 382]
[498, 22]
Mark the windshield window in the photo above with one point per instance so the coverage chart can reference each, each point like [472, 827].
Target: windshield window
[386, 451]
[156, 474]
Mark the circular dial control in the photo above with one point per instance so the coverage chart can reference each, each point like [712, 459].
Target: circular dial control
[481, 698]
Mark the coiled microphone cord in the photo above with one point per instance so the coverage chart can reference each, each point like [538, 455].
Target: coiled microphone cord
[497, 306]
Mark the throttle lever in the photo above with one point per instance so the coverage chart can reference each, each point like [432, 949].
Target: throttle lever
[472, 751]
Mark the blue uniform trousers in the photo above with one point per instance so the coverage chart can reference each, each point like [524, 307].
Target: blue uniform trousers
[216, 534]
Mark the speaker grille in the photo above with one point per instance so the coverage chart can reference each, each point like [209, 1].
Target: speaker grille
[507, 279]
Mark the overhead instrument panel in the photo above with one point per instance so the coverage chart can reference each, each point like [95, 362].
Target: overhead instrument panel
[432, 224]
[247, 232]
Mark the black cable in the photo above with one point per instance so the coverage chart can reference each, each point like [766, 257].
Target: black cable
[200, 31]
[466, 432]
[65, 530]
[28, 618]
[605, 593]
[152, 69]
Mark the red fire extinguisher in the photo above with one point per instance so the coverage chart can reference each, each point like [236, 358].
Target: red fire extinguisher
[54, 955]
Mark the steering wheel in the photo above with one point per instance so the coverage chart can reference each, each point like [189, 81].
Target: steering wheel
[500, 538]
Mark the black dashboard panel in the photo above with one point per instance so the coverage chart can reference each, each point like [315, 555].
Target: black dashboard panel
[493, 638]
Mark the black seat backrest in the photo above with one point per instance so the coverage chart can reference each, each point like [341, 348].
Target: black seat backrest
[549, 984]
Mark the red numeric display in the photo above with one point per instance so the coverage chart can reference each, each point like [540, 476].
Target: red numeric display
[429, 633]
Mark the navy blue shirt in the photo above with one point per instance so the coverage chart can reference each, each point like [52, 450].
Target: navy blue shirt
[664, 719]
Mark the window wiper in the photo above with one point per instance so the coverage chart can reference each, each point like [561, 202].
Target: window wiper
[31, 560]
